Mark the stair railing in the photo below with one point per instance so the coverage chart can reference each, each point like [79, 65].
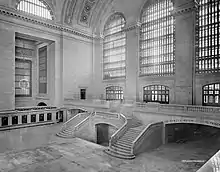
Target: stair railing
[83, 122]
[140, 137]
[65, 125]
[119, 133]
[147, 131]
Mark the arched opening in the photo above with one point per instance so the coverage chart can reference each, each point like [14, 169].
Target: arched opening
[211, 94]
[190, 141]
[42, 104]
[102, 131]
[156, 93]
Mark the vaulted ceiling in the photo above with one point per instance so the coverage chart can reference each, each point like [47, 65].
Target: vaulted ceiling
[90, 15]
[93, 13]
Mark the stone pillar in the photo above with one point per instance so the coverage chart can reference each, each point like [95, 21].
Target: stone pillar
[45, 116]
[7, 49]
[54, 116]
[131, 64]
[184, 53]
[19, 119]
[164, 134]
[37, 117]
[28, 118]
[9, 120]
[0, 121]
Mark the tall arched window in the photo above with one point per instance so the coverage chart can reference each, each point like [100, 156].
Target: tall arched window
[156, 93]
[35, 7]
[211, 95]
[208, 54]
[157, 39]
[114, 47]
[114, 93]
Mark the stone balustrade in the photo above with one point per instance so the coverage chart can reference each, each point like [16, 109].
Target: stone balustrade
[28, 116]
[177, 108]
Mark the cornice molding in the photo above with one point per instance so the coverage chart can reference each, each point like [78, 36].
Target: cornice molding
[44, 23]
[180, 11]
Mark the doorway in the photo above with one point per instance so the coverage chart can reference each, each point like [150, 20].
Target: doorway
[102, 131]
[83, 94]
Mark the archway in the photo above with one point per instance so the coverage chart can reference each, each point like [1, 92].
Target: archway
[42, 104]
[102, 131]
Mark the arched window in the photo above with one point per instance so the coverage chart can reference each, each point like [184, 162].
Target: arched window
[156, 93]
[114, 93]
[157, 39]
[35, 7]
[211, 95]
[208, 37]
[114, 47]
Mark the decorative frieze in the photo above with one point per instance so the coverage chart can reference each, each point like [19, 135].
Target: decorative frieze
[86, 12]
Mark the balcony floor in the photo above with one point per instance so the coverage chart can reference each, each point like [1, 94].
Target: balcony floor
[37, 149]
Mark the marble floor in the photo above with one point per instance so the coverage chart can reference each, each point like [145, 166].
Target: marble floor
[38, 149]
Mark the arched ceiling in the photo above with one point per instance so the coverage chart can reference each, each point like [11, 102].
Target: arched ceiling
[92, 13]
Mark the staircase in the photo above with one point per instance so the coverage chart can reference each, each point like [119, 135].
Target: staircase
[123, 146]
[68, 130]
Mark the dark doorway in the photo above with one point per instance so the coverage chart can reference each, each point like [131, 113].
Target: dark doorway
[42, 104]
[14, 120]
[61, 116]
[102, 134]
[4, 121]
[82, 94]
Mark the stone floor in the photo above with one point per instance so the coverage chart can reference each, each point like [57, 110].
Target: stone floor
[39, 150]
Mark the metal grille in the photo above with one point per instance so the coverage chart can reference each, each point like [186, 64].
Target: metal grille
[114, 93]
[156, 93]
[23, 77]
[207, 58]
[157, 39]
[114, 48]
[43, 70]
[211, 95]
[35, 7]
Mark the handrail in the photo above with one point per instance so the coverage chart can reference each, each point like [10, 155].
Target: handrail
[79, 125]
[212, 164]
[140, 136]
[74, 117]
[119, 132]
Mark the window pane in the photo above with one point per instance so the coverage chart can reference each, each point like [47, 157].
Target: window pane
[114, 48]
[114, 93]
[154, 93]
[22, 77]
[211, 95]
[208, 40]
[157, 39]
[35, 7]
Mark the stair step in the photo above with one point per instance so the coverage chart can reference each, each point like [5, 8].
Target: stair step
[124, 142]
[127, 140]
[64, 136]
[121, 151]
[122, 146]
[130, 135]
[116, 155]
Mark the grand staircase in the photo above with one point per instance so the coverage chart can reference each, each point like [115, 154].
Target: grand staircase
[67, 130]
[123, 146]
